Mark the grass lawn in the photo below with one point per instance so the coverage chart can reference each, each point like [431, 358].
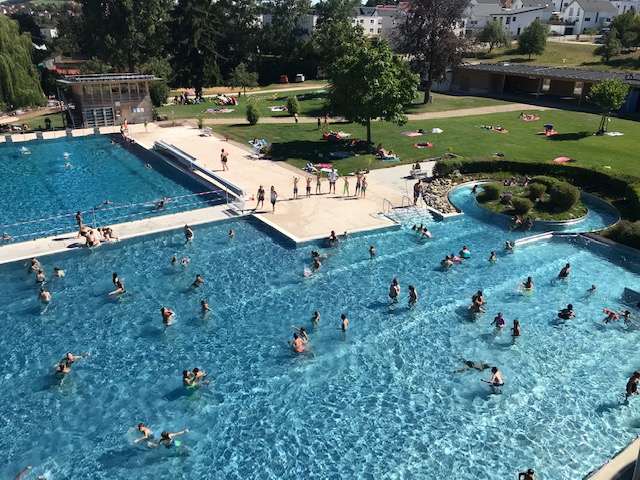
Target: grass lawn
[311, 105]
[35, 122]
[443, 102]
[302, 143]
[562, 54]
[232, 91]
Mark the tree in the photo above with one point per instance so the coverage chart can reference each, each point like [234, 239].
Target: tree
[427, 37]
[253, 113]
[610, 48]
[371, 82]
[627, 27]
[241, 77]
[282, 36]
[19, 79]
[293, 106]
[159, 89]
[494, 35]
[533, 39]
[609, 95]
[239, 31]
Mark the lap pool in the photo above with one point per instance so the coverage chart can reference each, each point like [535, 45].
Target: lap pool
[383, 401]
[40, 185]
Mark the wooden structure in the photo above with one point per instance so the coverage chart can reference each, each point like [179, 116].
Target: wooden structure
[106, 99]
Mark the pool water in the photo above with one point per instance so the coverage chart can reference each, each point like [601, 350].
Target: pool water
[383, 401]
[39, 185]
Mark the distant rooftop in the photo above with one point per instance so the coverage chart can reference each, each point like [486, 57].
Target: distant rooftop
[107, 78]
[561, 73]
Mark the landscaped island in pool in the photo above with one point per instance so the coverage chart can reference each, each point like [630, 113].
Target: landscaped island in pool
[60, 177]
[386, 400]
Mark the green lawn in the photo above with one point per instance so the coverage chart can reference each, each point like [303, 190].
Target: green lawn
[273, 86]
[444, 102]
[35, 122]
[562, 54]
[302, 143]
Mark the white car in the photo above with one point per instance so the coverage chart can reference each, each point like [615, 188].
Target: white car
[299, 78]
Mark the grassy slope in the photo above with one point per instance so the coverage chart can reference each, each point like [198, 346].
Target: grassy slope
[299, 144]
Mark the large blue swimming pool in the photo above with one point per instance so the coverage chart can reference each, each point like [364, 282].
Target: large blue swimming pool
[39, 185]
[383, 401]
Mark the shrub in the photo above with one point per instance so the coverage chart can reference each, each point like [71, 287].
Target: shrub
[293, 106]
[536, 190]
[253, 114]
[633, 196]
[625, 232]
[544, 180]
[563, 195]
[200, 120]
[490, 191]
[521, 205]
[159, 91]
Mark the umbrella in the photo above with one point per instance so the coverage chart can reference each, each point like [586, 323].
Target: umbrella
[436, 130]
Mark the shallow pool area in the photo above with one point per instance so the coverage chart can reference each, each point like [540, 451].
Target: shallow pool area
[383, 401]
[59, 177]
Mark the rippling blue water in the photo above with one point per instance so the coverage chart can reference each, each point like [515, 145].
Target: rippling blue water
[384, 401]
[39, 185]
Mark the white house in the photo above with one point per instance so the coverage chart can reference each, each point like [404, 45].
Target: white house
[49, 32]
[548, 7]
[479, 15]
[582, 15]
[623, 6]
[515, 21]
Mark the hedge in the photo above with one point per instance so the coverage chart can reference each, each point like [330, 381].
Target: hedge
[564, 195]
[544, 180]
[521, 205]
[625, 232]
[490, 191]
[609, 183]
[536, 190]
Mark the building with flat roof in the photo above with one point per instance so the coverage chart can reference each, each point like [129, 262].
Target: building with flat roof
[106, 99]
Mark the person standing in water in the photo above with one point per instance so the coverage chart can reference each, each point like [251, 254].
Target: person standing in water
[188, 233]
[345, 323]
[204, 307]
[167, 316]
[44, 296]
[413, 296]
[515, 330]
[564, 273]
[372, 252]
[632, 385]
[394, 290]
[315, 319]
[496, 379]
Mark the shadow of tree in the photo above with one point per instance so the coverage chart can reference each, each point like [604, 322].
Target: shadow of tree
[562, 137]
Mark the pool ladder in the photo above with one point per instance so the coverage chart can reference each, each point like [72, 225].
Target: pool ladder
[406, 209]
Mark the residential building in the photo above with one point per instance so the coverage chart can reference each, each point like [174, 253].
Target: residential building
[582, 15]
[624, 6]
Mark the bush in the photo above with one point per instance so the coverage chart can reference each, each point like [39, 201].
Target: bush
[293, 106]
[563, 195]
[633, 197]
[159, 91]
[536, 190]
[200, 120]
[521, 205]
[253, 114]
[490, 191]
[544, 180]
[625, 232]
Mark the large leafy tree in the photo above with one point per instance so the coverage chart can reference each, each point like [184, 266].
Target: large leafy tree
[494, 35]
[609, 95]
[239, 33]
[282, 36]
[427, 37]
[19, 79]
[335, 33]
[611, 46]
[533, 39]
[126, 33]
[241, 77]
[627, 27]
[371, 82]
[196, 28]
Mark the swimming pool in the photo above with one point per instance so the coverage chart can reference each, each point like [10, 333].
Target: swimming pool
[39, 185]
[385, 401]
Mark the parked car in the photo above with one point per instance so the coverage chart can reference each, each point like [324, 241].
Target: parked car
[599, 41]
[299, 78]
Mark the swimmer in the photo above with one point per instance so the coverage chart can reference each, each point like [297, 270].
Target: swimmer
[499, 321]
[119, 288]
[415, 228]
[44, 296]
[528, 223]
[64, 365]
[161, 204]
[59, 272]
[333, 238]
[447, 262]
[455, 258]
[302, 331]
[231, 233]
[632, 385]
[592, 289]
[413, 295]
[564, 273]
[468, 364]
[187, 378]
[474, 189]
[107, 202]
[517, 221]
[167, 316]
[198, 281]
[508, 246]
[567, 313]
[394, 290]
[199, 375]
[113, 142]
[528, 475]
[515, 330]
[184, 261]
[167, 440]
[345, 322]
[527, 284]
[23, 473]
[317, 265]
[188, 233]
[372, 252]
[626, 315]
[496, 379]
[426, 233]
[477, 301]
[68, 165]
[492, 258]
[146, 433]
[204, 307]
[612, 316]
[147, 165]
[298, 343]
[465, 253]
[345, 235]
[315, 254]
[315, 319]
[115, 279]
[174, 261]
[35, 265]
[40, 278]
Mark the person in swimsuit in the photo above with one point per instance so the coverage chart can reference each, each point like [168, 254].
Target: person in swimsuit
[174, 261]
[413, 295]
[302, 331]
[231, 234]
[508, 246]
[187, 378]
[119, 288]
[447, 262]
[59, 272]
[496, 379]
[308, 188]
[333, 238]
[566, 313]
[564, 273]
[515, 330]
[528, 475]
[64, 365]
[188, 233]
[184, 262]
[115, 279]
[632, 385]
[333, 176]
[146, 433]
[204, 307]
[166, 439]
[363, 190]
[295, 187]
[40, 278]
[492, 258]
[79, 219]
[417, 190]
[345, 190]
[198, 281]
[161, 204]
[318, 182]
[468, 364]
[527, 284]
[35, 265]
[274, 197]
[298, 344]
[345, 322]
[315, 319]
[626, 315]
[345, 235]
[260, 198]
[394, 290]
[199, 375]
[44, 296]
[167, 316]
[358, 183]
[499, 321]
[372, 252]
[224, 157]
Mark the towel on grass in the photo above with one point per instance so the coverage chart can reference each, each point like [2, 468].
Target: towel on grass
[219, 110]
[423, 145]
[412, 134]
[278, 108]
